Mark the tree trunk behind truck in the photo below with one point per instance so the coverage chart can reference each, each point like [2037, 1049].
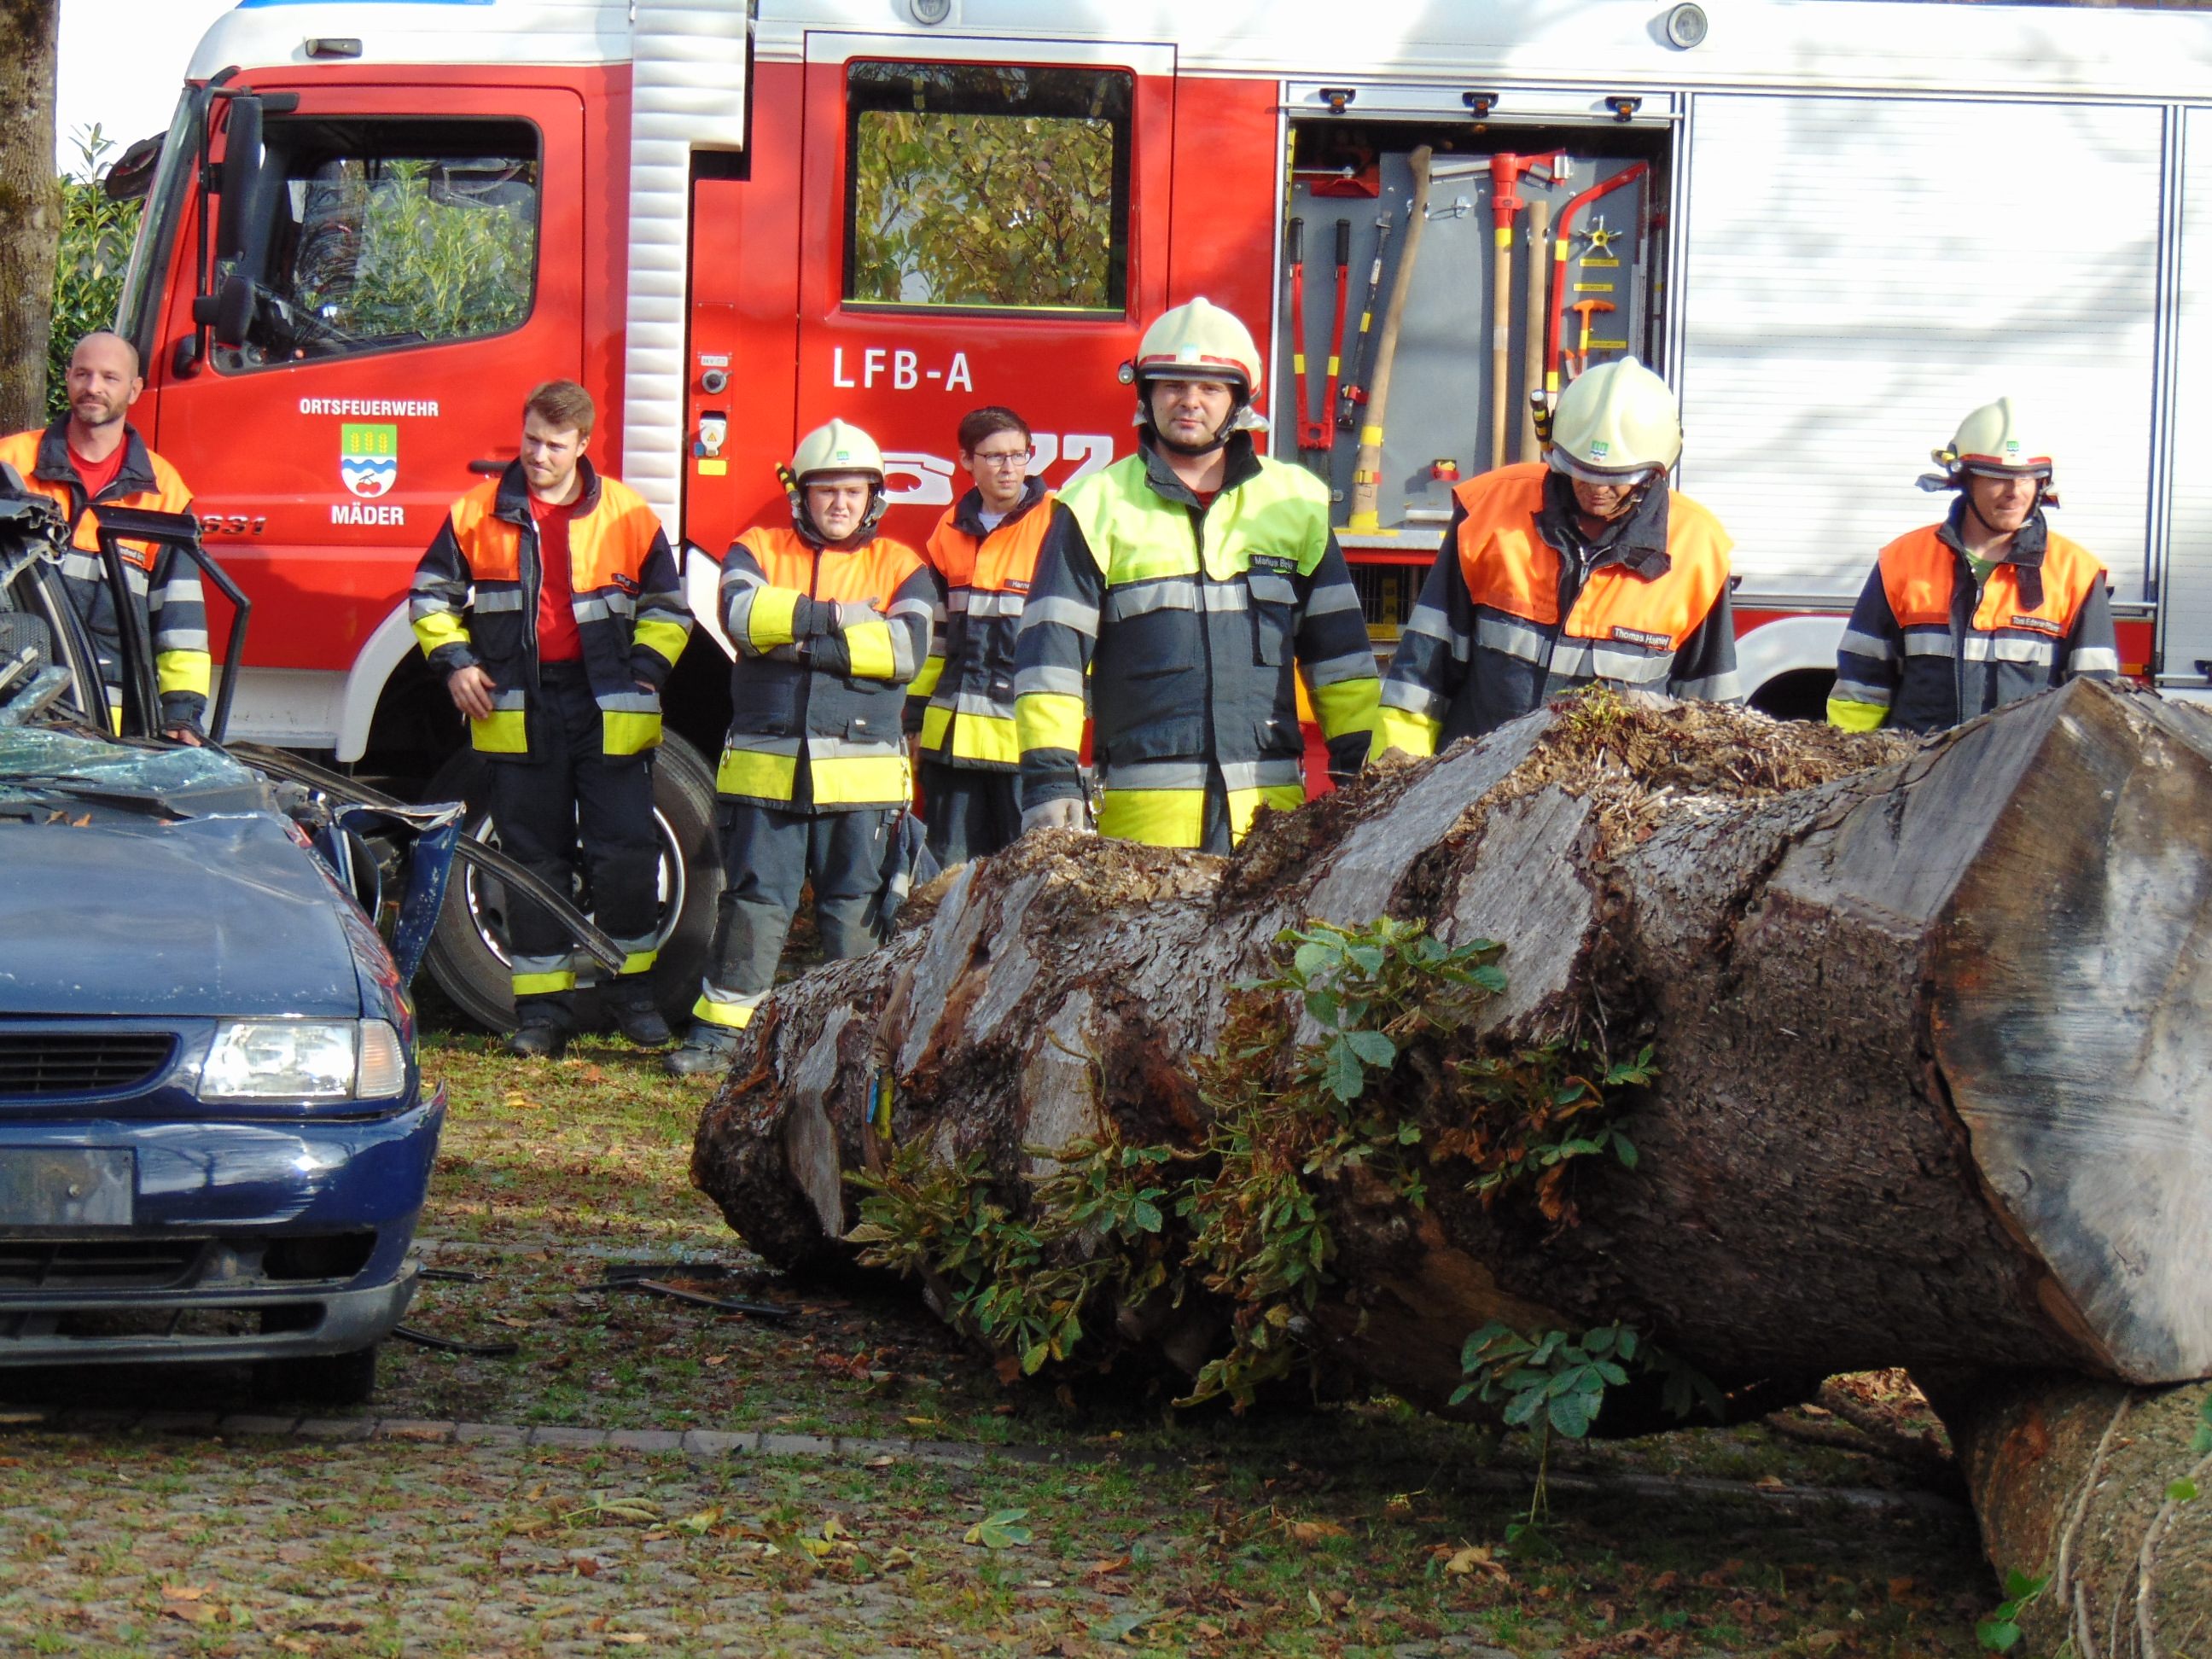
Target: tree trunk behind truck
[30, 206]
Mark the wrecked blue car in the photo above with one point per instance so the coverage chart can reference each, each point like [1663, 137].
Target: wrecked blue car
[214, 1136]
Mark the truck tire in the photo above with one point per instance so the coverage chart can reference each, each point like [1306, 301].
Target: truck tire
[467, 955]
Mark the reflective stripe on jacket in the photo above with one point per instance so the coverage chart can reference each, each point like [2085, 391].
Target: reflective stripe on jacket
[845, 726]
[1191, 623]
[963, 701]
[164, 582]
[1518, 608]
[1925, 649]
[628, 604]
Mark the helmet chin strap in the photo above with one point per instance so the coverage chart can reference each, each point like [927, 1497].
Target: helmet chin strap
[1629, 499]
[1967, 494]
[1218, 440]
[802, 519]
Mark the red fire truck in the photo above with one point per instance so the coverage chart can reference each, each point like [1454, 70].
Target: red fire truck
[1834, 226]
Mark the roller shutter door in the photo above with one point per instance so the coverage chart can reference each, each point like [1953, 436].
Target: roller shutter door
[2186, 613]
[1861, 271]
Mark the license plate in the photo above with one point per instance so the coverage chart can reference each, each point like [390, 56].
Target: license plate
[67, 1187]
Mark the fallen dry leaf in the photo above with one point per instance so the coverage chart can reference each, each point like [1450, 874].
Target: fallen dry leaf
[1473, 1559]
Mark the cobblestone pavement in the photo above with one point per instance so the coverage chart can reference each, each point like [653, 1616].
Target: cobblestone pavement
[631, 1473]
[158, 1545]
[194, 1533]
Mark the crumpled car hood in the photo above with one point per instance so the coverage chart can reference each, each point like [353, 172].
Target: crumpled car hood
[207, 916]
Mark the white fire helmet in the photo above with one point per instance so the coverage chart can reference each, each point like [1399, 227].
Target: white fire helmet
[1997, 442]
[1614, 423]
[836, 450]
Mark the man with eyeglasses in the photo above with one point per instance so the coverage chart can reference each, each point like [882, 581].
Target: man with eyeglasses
[984, 552]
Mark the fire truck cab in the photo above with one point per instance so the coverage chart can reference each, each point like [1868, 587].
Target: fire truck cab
[1834, 227]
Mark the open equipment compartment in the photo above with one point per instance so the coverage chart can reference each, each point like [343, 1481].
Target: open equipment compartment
[1584, 195]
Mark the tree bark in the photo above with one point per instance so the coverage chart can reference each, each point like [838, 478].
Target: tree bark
[1930, 1019]
[2074, 1484]
[30, 205]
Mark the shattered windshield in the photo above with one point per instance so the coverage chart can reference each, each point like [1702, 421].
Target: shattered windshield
[33, 758]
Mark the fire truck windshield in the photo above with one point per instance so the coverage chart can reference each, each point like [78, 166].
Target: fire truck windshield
[138, 314]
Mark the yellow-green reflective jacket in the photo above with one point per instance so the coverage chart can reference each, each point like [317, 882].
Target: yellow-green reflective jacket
[1191, 622]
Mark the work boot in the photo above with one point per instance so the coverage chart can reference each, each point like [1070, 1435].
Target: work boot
[706, 1049]
[538, 1038]
[636, 1016]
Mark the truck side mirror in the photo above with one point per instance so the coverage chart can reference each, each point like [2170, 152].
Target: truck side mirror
[242, 160]
[227, 313]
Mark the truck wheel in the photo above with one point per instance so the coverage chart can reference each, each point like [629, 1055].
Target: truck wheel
[467, 955]
[318, 1379]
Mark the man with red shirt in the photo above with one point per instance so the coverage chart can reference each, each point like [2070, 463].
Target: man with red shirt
[93, 456]
[576, 621]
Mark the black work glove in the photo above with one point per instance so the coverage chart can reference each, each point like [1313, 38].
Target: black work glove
[813, 619]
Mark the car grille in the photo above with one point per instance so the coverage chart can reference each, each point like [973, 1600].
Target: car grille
[45, 1064]
[29, 1264]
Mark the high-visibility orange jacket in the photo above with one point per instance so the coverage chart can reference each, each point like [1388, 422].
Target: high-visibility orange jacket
[164, 582]
[963, 701]
[628, 604]
[1519, 607]
[828, 638]
[1927, 647]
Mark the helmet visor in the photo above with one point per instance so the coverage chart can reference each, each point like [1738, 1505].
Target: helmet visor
[1988, 466]
[1563, 462]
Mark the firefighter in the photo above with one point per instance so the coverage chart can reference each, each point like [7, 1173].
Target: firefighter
[1579, 567]
[1189, 582]
[93, 455]
[1982, 610]
[832, 622]
[557, 661]
[984, 555]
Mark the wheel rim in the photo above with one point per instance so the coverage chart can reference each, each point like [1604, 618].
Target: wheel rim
[486, 897]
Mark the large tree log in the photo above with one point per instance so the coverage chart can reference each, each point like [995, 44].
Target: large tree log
[1931, 1035]
[2089, 1487]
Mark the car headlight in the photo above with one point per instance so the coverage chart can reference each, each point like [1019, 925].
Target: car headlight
[305, 1060]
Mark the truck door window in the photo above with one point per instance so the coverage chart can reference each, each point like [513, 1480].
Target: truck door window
[973, 185]
[380, 235]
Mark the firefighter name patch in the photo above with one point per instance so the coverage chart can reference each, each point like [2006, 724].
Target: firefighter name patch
[1638, 637]
[2039, 625]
